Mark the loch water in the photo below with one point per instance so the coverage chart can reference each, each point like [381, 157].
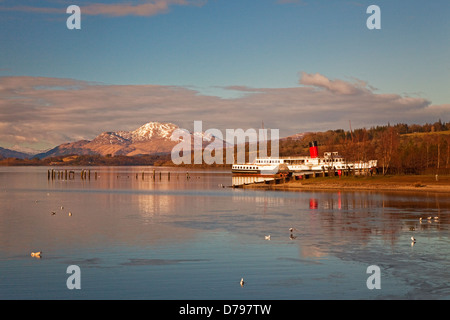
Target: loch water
[190, 236]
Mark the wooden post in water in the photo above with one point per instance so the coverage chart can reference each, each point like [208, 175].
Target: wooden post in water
[142, 175]
[168, 175]
[95, 175]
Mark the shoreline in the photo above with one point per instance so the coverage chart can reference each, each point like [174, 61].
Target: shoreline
[416, 183]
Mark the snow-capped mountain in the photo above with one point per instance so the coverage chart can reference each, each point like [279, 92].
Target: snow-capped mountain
[153, 130]
[145, 133]
[150, 138]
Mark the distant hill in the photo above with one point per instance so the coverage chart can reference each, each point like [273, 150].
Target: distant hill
[66, 149]
[7, 153]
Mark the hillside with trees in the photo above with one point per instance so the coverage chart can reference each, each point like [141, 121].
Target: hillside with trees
[399, 148]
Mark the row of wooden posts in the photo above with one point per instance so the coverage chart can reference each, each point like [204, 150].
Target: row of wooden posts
[86, 175]
[69, 174]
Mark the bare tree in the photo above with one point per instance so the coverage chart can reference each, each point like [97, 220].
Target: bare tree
[389, 142]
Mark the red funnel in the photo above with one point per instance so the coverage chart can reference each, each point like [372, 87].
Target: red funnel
[313, 149]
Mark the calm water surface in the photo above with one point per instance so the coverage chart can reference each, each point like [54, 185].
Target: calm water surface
[181, 238]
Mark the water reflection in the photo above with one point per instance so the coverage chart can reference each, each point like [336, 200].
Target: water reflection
[147, 221]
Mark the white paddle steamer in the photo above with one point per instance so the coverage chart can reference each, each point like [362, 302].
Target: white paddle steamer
[304, 164]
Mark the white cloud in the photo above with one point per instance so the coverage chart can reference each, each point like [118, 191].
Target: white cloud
[50, 111]
[125, 8]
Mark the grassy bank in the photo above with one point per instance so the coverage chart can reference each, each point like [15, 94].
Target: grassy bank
[417, 183]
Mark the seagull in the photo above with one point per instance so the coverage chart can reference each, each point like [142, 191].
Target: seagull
[62, 208]
[436, 218]
[267, 237]
[413, 239]
[53, 213]
[70, 214]
[36, 254]
[242, 282]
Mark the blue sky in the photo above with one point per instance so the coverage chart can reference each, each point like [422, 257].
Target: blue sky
[231, 54]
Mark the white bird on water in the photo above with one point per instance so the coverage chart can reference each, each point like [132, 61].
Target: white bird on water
[413, 239]
[267, 237]
[242, 282]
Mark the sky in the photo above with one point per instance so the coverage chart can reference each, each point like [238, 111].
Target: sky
[296, 65]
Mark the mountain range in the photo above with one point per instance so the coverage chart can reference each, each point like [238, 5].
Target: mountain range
[150, 138]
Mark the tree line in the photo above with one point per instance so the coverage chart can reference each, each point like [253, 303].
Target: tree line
[399, 148]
